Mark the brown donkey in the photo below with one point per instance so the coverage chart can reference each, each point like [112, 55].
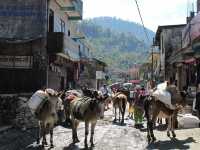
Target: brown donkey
[89, 110]
[49, 114]
[119, 101]
[155, 108]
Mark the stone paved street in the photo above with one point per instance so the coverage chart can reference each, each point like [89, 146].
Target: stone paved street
[108, 136]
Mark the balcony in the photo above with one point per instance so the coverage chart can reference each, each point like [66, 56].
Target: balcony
[74, 8]
[55, 42]
[58, 42]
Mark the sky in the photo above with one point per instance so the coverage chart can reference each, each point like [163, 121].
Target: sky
[154, 12]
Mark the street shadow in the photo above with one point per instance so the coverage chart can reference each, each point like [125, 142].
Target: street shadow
[16, 139]
[118, 123]
[161, 127]
[75, 147]
[66, 125]
[173, 143]
[143, 129]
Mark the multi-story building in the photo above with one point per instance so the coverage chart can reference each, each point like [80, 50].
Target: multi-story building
[169, 40]
[151, 69]
[36, 44]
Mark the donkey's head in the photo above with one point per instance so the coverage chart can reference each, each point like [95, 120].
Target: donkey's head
[99, 101]
[57, 107]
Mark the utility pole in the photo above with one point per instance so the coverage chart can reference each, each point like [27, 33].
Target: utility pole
[152, 61]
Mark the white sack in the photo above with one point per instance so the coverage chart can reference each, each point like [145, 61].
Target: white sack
[36, 100]
[164, 96]
[188, 121]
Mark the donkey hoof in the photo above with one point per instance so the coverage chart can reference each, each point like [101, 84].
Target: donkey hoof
[86, 146]
[76, 141]
[92, 144]
[168, 134]
[52, 146]
[174, 135]
[149, 141]
[153, 139]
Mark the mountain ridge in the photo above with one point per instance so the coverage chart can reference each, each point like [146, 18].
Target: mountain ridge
[124, 26]
[118, 48]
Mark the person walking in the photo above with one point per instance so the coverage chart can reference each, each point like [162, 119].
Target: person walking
[138, 107]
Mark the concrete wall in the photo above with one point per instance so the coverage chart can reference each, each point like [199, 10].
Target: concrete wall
[198, 5]
[23, 28]
[58, 15]
[171, 40]
[22, 19]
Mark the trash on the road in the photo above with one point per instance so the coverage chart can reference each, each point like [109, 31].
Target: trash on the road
[188, 121]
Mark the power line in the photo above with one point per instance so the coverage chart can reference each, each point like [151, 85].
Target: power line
[146, 34]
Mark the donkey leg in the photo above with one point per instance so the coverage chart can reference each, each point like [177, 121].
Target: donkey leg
[51, 137]
[169, 126]
[115, 115]
[44, 142]
[151, 131]
[86, 133]
[74, 131]
[92, 133]
[39, 133]
[148, 132]
[173, 126]
[155, 114]
[119, 114]
[122, 113]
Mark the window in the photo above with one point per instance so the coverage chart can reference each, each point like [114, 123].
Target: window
[51, 21]
[68, 32]
[62, 24]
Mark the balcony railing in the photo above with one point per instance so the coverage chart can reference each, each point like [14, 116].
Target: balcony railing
[55, 42]
[74, 8]
[58, 42]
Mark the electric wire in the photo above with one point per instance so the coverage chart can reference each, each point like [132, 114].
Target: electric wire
[145, 31]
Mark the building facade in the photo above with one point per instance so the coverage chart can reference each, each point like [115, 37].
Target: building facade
[36, 46]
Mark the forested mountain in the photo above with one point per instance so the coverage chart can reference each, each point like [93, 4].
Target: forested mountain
[124, 26]
[118, 48]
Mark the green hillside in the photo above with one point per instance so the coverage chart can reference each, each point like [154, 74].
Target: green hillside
[118, 49]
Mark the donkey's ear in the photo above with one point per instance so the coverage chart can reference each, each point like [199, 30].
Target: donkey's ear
[95, 94]
[59, 94]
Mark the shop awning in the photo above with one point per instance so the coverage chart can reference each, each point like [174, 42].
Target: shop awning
[63, 56]
[190, 61]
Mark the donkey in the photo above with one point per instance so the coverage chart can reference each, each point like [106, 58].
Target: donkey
[67, 97]
[49, 114]
[89, 110]
[119, 101]
[155, 108]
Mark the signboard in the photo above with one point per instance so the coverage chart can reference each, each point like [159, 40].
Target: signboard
[16, 61]
[100, 75]
[191, 31]
[22, 19]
